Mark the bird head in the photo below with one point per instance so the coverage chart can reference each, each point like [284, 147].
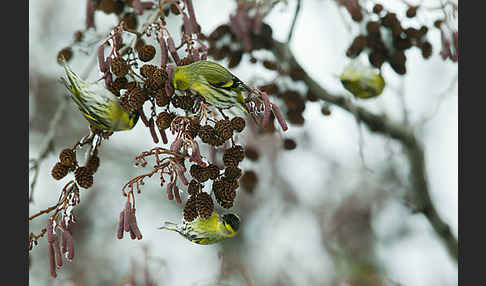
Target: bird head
[231, 223]
[180, 79]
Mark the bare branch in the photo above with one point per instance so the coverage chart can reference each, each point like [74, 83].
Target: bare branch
[400, 132]
[297, 10]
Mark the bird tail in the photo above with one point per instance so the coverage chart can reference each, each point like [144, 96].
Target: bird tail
[169, 226]
[73, 81]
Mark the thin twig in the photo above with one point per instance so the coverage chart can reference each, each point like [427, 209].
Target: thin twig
[297, 10]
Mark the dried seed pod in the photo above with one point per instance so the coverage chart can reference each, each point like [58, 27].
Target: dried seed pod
[426, 48]
[161, 98]
[130, 20]
[233, 156]
[187, 102]
[289, 144]
[164, 119]
[119, 83]
[93, 163]
[377, 8]
[213, 171]
[251, 153]
[373, 27]
[193, 128]
[249, 180]
[207, 133]
[235, 58]
[67, 53]
[146, 53]
[78, 36]
[232, 173]
[194, 187]
[67, 157]
[223, 129]
[221, 194]
[59, 171]
[204, 204]
[219, 32]
[119, 66]
[153, 83]
[190, 211]
[83, 177]
[270, 88]
[137, 98]
[147, 70]
[412, 11]
[238, 124]
[376, 59]
[176, 101]
[199, 173]
[270, 65]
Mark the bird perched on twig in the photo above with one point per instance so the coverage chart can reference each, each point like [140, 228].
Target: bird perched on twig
[213, 82]
[207, 231]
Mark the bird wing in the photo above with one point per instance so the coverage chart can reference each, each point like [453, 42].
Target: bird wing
[220, 77]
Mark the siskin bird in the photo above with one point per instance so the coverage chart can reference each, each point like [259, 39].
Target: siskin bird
[212, 81]
[207, 231]
[362, 81]
[97, 104]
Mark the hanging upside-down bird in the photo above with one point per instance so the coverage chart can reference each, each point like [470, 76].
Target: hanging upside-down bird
[97, 104]
[362, 81]
[207, 231]
[212, 81]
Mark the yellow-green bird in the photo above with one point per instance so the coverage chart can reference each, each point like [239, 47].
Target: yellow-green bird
[212, 81]
[207, 231]
[362, 81]
[97, 104]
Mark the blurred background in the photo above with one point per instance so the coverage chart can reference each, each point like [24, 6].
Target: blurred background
[332, 211]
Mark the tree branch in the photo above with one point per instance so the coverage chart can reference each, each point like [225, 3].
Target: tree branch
[400, 132]
[297, 10]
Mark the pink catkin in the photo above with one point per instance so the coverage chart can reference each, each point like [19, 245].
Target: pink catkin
[57, 251]
[142, 114]
[126, 216]
[280, 118]
[170, 195]
[187, 25]
[167, 88]
[268, 108]
[101, 57]
[90, 10]
[196, 154]
[132, 234]
[51, 236]
[163, 136]
[177, 195]
[137, 6]
[163, 49]
[192, 14]
[119, 233]
[147, 5]
[152, 131]
[172, 50]
[52, 262]
[69, 244]
[257, 23]
[133, 225]
[180, 174]
[108, 78]
[176, 145]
